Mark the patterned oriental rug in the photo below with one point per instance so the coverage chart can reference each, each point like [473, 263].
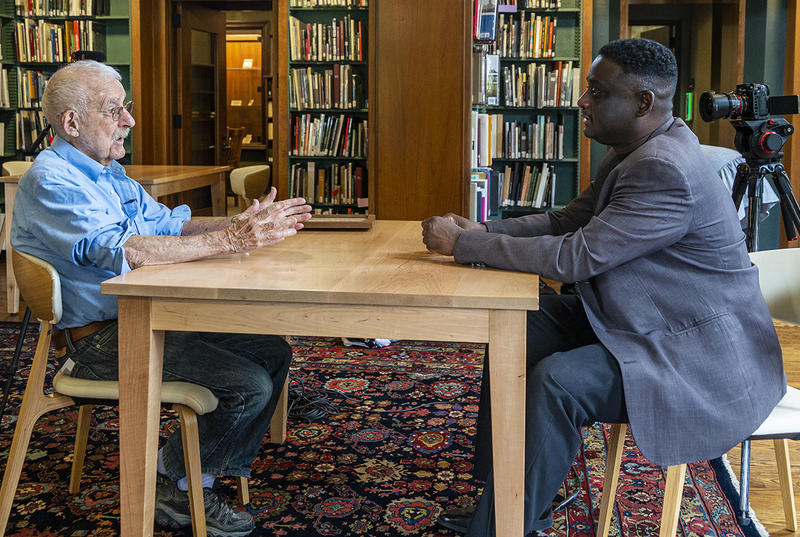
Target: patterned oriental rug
[383, 454]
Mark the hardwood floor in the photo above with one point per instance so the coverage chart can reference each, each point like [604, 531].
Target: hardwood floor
[765, 496]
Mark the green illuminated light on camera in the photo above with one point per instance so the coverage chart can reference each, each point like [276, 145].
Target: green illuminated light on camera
[688, 103]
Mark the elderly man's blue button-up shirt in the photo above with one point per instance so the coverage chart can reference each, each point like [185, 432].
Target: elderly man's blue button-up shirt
[76, 214]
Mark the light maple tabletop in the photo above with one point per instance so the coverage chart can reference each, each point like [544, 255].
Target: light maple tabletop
[157, 179]
[376, 283]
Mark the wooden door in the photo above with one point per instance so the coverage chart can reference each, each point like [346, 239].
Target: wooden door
[201, 123]
[420, 107]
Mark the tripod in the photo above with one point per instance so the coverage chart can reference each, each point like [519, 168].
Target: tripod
[750, 176]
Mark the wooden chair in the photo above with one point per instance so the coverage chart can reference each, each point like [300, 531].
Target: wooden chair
[673, 491]
[16, 167]
[250, 182]
[41, 289]
[779, 280]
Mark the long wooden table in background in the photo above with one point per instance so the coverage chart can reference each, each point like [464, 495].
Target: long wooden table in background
[380, 283]
[157, 179]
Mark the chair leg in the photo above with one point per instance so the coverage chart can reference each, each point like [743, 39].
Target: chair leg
[277, 425]
[785, 478]
[613, 461]
[190, 436]
[243, 490]
[744, 484]
[673, 492]
[79, 454]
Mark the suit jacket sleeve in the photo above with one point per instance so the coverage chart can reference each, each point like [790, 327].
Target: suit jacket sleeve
[649, 207]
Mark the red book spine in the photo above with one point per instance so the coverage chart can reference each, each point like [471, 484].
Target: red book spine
[307, 54]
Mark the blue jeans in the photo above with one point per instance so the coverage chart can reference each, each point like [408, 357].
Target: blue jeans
[245, 372]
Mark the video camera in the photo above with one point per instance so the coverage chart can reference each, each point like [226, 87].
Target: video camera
[750, 106]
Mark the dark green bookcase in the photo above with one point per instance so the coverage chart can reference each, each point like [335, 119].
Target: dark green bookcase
[113, 38]
[567, 46]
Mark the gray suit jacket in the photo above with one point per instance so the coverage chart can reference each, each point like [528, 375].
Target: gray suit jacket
[668, 287]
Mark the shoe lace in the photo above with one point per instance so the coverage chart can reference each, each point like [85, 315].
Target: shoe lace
[217, 508]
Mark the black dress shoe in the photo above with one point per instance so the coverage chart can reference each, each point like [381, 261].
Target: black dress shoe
[457, 519]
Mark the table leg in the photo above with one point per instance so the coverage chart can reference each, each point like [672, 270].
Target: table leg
[507, 369]
[218, 199]
[12, 291]
[141, 356]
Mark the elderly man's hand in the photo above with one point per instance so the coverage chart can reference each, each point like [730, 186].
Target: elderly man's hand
[266, 222]
[440, 234]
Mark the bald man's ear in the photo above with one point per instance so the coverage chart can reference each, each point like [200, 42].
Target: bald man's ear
[646, 102]
[70, 123]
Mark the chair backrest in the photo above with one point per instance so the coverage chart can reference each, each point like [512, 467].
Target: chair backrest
[250, 181]
[16, 167]
[39, 286]
[779, 279]
[232, 150]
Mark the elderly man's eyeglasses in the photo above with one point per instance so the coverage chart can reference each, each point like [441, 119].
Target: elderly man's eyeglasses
[116, 112]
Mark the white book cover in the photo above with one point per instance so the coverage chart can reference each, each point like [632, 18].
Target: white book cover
[541, 186]
[474, 151]
[492, 79]
[483, 139]
[576, 86]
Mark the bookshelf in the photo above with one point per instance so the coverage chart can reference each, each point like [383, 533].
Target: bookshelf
[36, 42]
[325, 91]
[527, 150]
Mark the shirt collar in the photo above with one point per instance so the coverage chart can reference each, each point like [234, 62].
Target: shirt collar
[86, 164]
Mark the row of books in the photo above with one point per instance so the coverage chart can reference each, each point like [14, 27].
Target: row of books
[527, 185]
[485, 78]
[328, 3]
[338, 87]
[5, 101]
[538, 85]
[332, 136]
[337, 184]
[494, 138]
[29, 125]
[532, 4]
[43, 41]
[521, 185]
[62, 8]
[478, 198]
[30, 87]
[341, 40]
[526, 35]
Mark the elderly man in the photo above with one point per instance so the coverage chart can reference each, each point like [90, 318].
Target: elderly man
[668, 330]
[77, 210]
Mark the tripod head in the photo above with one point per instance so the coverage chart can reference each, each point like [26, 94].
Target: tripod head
[762, 139]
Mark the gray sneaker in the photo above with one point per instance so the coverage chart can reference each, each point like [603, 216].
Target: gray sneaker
[172, 511]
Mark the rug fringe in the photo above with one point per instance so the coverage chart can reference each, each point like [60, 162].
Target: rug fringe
[735, 482]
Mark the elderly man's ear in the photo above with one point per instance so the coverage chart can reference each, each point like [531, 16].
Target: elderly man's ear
[70, 123]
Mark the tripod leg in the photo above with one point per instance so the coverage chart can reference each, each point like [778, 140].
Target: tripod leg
[755, 186]
[12, 369]
[784, 188]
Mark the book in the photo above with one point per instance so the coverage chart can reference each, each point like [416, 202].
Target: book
[492, 79]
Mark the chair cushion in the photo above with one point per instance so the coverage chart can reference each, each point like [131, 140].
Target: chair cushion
[784, 420]
[198, 398]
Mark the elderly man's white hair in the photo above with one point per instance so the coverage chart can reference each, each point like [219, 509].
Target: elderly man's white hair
[72, 88]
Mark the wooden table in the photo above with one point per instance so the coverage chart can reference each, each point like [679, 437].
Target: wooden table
[157, 179]
[377, 283]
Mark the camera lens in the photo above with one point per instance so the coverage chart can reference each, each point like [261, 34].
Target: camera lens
[720, 105]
